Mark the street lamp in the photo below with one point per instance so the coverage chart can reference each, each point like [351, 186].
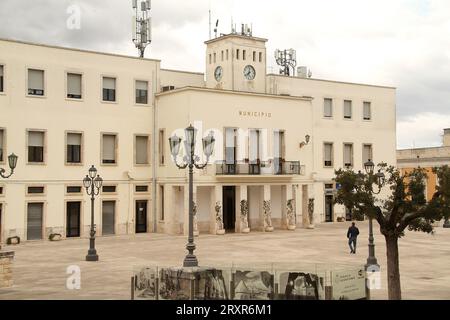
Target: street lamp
[369, 166]
[12, 161]
[190, 161]
[93, 183]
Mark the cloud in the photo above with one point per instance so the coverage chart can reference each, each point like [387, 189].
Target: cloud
[401, 43]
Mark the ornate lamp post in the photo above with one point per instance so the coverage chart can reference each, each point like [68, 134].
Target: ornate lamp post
[93, 183]
[190, 161]
[12, 161]
[380, 180]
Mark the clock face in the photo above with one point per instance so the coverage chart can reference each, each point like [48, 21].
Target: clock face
[218, 73]
[249, 72]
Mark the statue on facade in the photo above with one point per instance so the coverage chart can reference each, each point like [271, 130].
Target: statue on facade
[267, 216]
[311, 213]
[219, 218]
[290, 215]
[244, 216]
[195, 219]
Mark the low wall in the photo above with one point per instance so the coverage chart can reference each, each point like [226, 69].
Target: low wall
[6, 276]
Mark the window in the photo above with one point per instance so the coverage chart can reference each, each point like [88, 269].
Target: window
[109, 89]
[222, 55]
[2, 70]
[328, 154]
[109, 189]
[328, 108]
[367, 153]
[141, 146]
[74, 86]
[260, 57]
[35, 82]
[215, 57]
[73, 189]
[35, 214]
[348, 155]
[237, 54]
[367, 112]
[35, 190]
[73, 148]
[108, 217]
[210, 58]
[142, 92]
[161, 147]
[2, 144]
[36, 146]
[254, 56]
[161, 197]
[141, 189]
[347, 109]
[1, 190]
[244, 54]
[227, 54]
[109, 148]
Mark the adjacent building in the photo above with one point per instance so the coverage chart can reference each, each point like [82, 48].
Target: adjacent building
[278, 140]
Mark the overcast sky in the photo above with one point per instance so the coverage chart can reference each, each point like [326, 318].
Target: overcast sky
[401, 43]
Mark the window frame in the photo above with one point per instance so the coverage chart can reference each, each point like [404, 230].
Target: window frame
[161, 145]
[116, 91]
[44, 152]
[66, 147]
[3, 92]
[116, 149]
[44, 218]
[31, 194]
[4, 146]
[332, 154]
[27, 68]
[73, 194]
[351, 110]
[67, 72]
[371, 113]
[149, 161]
[362, 153]
[135, 92]
[324, 116]
[352, 154]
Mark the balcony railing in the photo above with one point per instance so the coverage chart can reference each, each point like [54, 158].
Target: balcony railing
[272, 168]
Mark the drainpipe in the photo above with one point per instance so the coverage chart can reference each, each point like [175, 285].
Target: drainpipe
[154, 155]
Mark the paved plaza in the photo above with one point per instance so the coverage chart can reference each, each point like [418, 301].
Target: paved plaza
[40, 267]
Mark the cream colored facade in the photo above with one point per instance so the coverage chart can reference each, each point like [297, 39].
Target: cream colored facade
[277, 111]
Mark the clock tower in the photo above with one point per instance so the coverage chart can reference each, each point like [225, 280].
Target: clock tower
[237, 62]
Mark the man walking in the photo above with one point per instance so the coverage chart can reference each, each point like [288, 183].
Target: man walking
[352, 235]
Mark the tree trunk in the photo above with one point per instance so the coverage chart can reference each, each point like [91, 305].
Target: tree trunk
[393, 268]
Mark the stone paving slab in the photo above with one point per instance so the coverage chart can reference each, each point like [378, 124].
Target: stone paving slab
[39, 268]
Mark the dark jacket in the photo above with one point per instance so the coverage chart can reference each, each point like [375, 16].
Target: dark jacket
[352, 232]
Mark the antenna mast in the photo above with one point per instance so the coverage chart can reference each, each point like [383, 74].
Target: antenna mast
[286, 59]
[142, 25]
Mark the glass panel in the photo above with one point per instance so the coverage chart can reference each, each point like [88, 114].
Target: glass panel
[230, 146]
[367, 111]
[348, 151]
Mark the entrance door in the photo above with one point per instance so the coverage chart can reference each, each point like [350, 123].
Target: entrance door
[348, 214]
[329, 208]
[34, 221]
[229, 208]
[108, 217]
[141, 216]
[73, 219]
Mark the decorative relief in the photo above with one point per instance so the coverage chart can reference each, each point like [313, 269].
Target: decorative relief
[244, 216]
[267, 216]
[219, 218]
[311, 213]
[290, 214]
[194, 214]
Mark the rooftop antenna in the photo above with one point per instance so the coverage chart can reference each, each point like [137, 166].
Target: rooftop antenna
[216, 28]
[142, 25]
[287, 60]
[210, 23]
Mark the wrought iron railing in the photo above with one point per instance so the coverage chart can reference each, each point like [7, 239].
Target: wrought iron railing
[263, 168]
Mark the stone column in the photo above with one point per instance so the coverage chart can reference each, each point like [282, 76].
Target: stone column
[243, 210]
[305, 197]
[217, 212]
[290, 208]
[171, 225]
[6, 275]
[267, 209]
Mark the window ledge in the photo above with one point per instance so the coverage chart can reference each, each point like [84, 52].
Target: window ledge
[36, 96]
[75, 99]
[36, 163]
[70, 164]
[109, 102]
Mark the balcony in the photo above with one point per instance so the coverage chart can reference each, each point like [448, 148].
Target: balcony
[283, 168]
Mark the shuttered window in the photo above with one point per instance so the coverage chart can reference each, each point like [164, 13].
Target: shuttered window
[34, 221]
[36, 146]
[2, 145]
[35, 82]
[230, 145]
[367, 111]
[108, 217]
[74, 147]
[328, 154]
[348, 155]
[142, 92]
[328, 108]
[74, 86]
[109, 149]
[142, 150]
[347, 109]
[109, 89]
[367, 153]
[2, 88]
